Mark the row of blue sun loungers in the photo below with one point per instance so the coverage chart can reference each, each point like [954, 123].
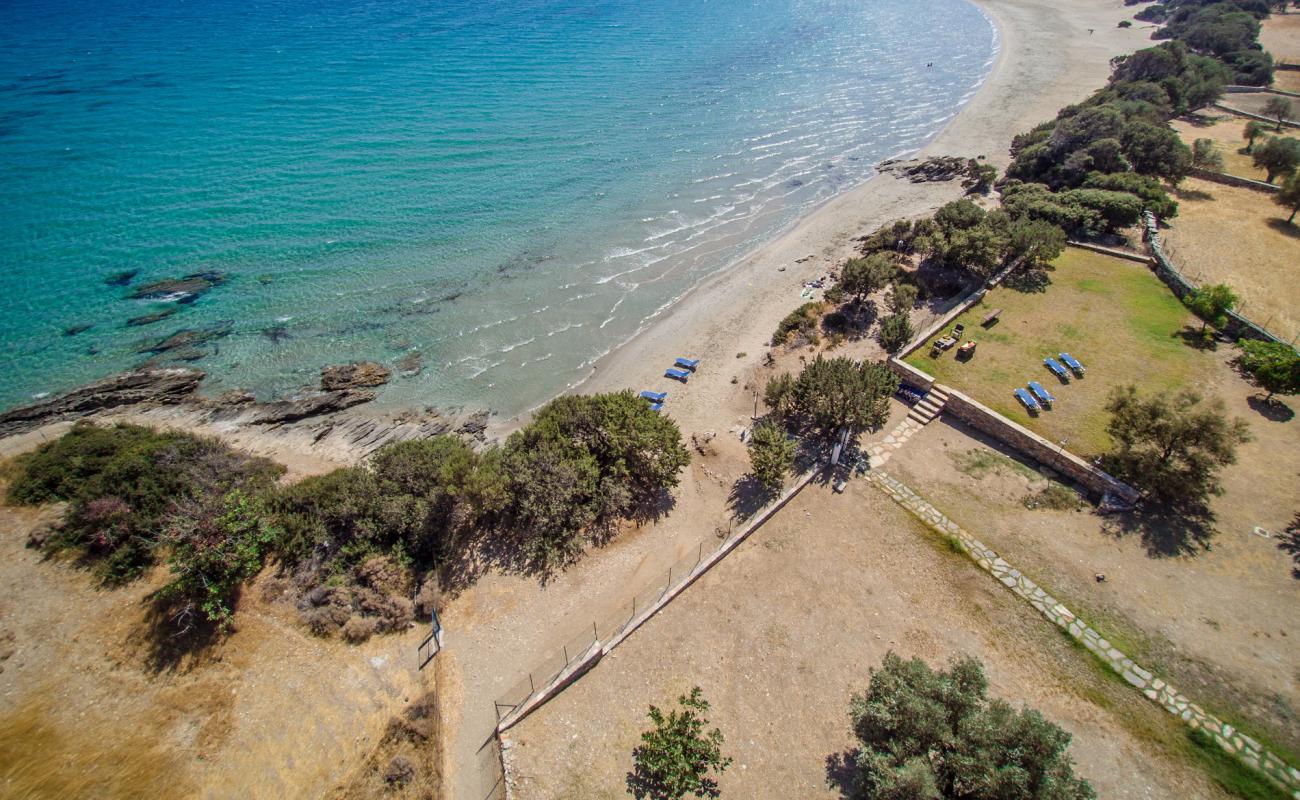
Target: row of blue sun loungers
[680, 371]
[1037, 397]
[1060, 371]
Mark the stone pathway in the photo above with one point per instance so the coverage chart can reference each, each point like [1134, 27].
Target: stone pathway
[879, 452]
[1155, 689]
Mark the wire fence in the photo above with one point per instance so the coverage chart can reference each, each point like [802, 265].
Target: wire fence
[586, 647]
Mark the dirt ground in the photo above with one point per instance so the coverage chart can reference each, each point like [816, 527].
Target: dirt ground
[1223, 625]
[1225, 131]
[1280, 36]
[1223, 234]
[779, 665]
[87, 709]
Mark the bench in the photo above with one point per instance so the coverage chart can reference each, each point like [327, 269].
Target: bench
[991, 318]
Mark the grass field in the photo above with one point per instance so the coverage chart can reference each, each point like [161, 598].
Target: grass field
[1113, 315]
[1280, 36]
[1225, 131]
[1223, 234]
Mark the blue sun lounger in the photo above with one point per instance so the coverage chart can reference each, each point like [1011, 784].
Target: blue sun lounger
[1044, 396]
[677, 374]
[1057, 369]
[1025, 400]
[1073, 364]
[655, 397]
[688, 363]
[656, 407]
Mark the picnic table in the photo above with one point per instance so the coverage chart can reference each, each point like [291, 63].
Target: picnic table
[991, 318]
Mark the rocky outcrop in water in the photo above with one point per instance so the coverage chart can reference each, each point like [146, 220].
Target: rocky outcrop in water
[151, 318]
[357, 375]
[187, 340]
[181, 290]
[122, 278]
[150, 386]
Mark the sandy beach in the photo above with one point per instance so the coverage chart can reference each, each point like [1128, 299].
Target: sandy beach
[1051, 54]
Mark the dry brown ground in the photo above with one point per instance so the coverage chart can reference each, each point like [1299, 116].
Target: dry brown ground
[1287, 80]
[85, 711]
[1223, 625]
[1225, 131]
[783, 632]
[1223, 234]
[1281, 37]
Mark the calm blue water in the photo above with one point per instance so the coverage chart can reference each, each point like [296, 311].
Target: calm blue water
[493, 193]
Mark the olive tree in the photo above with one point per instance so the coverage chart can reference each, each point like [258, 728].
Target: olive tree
[1278, 156]
[1273, 365]
[1280, 109]
[1289, 197]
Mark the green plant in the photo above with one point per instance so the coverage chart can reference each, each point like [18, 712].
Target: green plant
[1212, 304]
[930, 734]
[678, 756]
[802, 320]
[839, 393]
[1279, 108]
[1277, 156]
[771, 455]
[1273, 365]
[1289, 197]
[895, 332]
[1206, 156]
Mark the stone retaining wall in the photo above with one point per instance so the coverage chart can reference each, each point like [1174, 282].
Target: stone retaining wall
[1234, 180]
[1030, 444]
[1112, 251]
[1249, 115]
[1260, 89]
[1158, 691]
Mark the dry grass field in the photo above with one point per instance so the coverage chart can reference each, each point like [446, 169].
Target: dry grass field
[1222, 624]
[1281, 37]
[1225, 131]
[1223, 234]
[1113, 315]
[1287, 80]
[785, 630]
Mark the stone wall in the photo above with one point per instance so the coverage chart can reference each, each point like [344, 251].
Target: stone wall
[1233, 180]
[1114, 252]
[910, 374]
[1286, 123]
[1030, 444]
[1259, 89]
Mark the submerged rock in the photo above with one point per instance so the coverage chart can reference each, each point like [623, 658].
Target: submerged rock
[357, 375]
[411, 364]
[122, 278]
[151, 318]
[180, 290]
[187, 340]
[73, 330]
[164, 386]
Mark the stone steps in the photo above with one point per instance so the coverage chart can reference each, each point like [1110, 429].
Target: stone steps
[929, 408]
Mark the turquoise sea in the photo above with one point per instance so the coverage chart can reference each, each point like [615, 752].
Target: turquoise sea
[485, 195]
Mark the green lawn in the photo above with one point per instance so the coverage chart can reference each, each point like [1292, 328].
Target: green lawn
[1113, 315]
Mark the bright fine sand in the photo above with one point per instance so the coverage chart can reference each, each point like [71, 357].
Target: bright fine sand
[1048, 59]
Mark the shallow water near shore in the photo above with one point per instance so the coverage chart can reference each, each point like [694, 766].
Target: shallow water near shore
[485, 197]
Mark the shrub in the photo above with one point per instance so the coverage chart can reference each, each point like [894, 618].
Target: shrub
[932, 734]
[771, 455]
[1124, 23]
[802, 320]
[834, 393]
[676, 757]
[895, 332]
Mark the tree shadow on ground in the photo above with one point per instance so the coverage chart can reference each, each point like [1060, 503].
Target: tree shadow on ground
[747, 496]
[176, 638]
[1201, 120]
[1289, 542]
[1184, 193]
[1029, 281]
[1274, 409]
[1196, 338]
[840, 772]
[1167, 531]
[1285, 228]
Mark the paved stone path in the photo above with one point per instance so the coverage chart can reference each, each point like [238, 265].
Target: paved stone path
[879, 452]
[1157, 690]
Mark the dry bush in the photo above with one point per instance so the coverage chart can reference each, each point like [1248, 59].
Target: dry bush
[358, 629]
[404, 764]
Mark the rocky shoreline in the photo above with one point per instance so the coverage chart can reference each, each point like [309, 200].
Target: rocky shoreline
[309, 422]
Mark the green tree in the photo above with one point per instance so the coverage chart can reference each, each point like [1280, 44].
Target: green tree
[1289, 196]
[979, 177]
[1034, 242]
[771, 455]
[1212, 304]
[1206, 156]
[1253, 130]
[902, 296]
[1278, 156]
[1156, 150]
[1279, 108]
[215, 545]
[779, 394]
[1172, 446]
[895, 332]
[1272, 365]
[864, 276]
[837, 393]
[927, 734]
[678, 757]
